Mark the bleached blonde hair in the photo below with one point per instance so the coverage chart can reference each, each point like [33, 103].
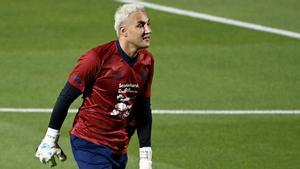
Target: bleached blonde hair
[123, 12]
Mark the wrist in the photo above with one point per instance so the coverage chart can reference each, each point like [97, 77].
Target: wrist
[52, 135]
[146, 153]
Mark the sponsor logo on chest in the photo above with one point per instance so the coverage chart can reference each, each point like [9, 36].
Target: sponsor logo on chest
[127, 92]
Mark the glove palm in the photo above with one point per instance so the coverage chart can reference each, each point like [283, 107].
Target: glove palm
[49, 148]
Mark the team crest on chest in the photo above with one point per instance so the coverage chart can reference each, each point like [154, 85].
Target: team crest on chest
[117, 75]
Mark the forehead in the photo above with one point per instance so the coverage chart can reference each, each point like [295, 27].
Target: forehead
[138, 16]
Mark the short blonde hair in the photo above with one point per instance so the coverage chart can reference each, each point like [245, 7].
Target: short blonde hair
[123, 12]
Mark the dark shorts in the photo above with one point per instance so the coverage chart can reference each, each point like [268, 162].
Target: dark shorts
[93, 156]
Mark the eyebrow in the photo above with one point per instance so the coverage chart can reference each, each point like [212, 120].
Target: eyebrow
[143, 22]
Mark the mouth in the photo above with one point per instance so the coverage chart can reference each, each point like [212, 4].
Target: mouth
[146, 38]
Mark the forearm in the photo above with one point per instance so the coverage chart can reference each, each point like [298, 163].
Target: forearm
[144, 131]
[145, 126]
[68, 94]
[144, 134]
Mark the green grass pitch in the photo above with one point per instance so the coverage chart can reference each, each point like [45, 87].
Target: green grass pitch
[199, 65]
[179, 141]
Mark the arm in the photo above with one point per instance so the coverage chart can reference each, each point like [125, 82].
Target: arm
[80, 79]
[49, 147]
[144, 133]
[144, 128]
[66, 97]
[145, 125]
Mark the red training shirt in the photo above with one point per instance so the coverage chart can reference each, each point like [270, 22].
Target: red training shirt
[110, 88]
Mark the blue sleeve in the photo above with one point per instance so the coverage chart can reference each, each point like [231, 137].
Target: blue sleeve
[145, 125]
[66, 97]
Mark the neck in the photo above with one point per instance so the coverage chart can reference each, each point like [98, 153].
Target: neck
[128, 48]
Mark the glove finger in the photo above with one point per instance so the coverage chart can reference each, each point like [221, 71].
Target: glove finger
[37, 154]
[46, 156]
[61, 155]
[52, 162]
[42, 159]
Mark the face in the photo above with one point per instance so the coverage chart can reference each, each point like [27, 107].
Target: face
[137, 30]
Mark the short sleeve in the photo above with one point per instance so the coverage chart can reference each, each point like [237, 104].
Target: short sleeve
[149, 81]
[85, 70]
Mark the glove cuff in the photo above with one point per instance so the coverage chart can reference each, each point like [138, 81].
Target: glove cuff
[146, 153]
[52, 135]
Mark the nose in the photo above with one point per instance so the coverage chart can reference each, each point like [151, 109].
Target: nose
[147, 29]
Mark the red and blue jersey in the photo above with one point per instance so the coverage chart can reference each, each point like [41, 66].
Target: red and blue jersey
[111, 84]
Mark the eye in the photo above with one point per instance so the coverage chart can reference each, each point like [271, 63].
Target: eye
[140, 25]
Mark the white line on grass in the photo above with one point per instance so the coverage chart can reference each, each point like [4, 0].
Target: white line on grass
[40, 110]
[215, 18]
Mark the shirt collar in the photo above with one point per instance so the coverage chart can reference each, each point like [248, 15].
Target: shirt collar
[129, 60]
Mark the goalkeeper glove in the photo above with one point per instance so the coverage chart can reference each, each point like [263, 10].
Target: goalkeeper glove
[145, 158]
[49, 148]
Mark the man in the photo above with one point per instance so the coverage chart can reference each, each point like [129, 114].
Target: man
[115, 79]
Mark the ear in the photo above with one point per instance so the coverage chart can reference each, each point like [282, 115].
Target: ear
[123, 31]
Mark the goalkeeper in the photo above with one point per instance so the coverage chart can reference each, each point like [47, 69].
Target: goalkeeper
[115, 82]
